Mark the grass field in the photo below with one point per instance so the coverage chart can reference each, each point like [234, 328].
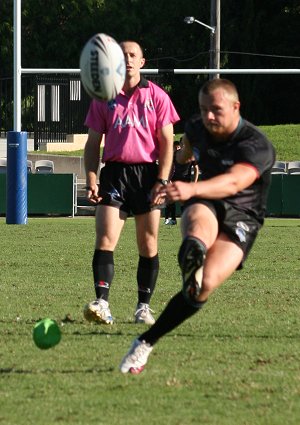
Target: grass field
[235, 363]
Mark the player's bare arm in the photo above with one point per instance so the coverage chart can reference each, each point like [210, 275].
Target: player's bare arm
[91, 163]
[238, 177]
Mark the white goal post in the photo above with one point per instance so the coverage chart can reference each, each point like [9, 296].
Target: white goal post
[174, 71]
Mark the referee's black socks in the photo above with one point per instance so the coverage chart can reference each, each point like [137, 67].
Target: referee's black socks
[103, 270]
[147, 273]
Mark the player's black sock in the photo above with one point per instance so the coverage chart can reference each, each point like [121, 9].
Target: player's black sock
[175, 313]
[103, 270]
[173, 211]
[147, 273]
[168, 211]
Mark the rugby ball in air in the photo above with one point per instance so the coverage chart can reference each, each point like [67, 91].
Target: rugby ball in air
[102, 67]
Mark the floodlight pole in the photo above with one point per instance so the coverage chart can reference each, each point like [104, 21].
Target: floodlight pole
[215, 18]
[214, 27]
[191, 20]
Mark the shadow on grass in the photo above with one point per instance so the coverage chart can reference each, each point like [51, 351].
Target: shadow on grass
[12, 370]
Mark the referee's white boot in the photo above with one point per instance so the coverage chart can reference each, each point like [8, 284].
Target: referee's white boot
[143, 314]
[98, 311]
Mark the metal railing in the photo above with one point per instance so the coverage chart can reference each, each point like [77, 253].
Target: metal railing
[52, 107]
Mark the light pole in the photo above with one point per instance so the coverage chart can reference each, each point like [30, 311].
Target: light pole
[215, 18]
[214, 27]
[191, 20]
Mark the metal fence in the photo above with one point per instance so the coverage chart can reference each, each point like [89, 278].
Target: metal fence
[52, 107]
[60, 108]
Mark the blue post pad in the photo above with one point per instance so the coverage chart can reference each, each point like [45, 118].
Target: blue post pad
[16, 178]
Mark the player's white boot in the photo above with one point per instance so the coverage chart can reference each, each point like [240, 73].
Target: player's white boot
[135, 360]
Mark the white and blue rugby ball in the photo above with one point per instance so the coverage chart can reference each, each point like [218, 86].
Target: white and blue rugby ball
[102, 67]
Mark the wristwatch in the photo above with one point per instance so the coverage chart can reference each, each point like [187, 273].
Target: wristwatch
[162, 181]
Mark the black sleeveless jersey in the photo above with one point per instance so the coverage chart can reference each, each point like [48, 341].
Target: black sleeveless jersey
[247, 145]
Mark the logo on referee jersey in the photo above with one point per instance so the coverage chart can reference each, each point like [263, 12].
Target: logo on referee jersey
[112, 104]
[149, 105]
[131, 121]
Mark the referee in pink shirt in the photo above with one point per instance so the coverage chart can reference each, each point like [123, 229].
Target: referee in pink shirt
[138, 131]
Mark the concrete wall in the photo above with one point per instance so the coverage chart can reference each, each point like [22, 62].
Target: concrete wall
[74, 142]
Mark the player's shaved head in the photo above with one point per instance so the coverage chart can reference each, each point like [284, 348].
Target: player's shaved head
[220, 83]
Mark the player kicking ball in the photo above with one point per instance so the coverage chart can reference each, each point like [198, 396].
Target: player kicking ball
[222, 213]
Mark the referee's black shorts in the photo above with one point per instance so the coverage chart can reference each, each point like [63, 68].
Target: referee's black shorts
[128, 186]
[239, 226]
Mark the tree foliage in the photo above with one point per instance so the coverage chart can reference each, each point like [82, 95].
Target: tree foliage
[254, 34]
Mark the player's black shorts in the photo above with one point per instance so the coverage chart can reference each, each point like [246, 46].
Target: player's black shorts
[128, 186]
[239, 226]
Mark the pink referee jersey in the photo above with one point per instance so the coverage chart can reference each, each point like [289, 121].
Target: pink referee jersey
[130, 123]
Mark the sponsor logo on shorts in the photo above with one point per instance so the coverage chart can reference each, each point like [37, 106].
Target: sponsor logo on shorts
[241, 231]
[114, 194]
[243, 225]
